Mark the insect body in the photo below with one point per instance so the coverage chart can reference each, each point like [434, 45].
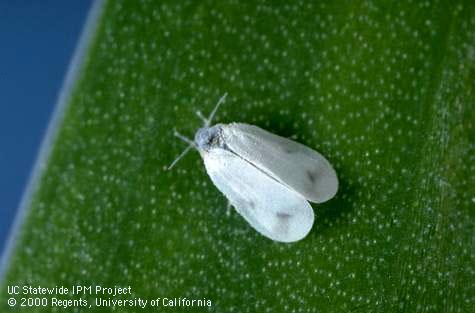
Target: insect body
[267, 178]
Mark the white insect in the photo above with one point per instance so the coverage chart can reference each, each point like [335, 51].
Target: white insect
[267, 178]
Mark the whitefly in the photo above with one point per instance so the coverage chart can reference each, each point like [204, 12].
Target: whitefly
[268, 179]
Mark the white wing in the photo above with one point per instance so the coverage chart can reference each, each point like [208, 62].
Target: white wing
[298, 167]
[273, 209]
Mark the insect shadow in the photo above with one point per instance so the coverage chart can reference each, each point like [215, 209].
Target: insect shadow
[333, 212]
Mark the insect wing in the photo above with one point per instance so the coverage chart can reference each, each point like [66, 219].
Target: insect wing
[273, 209]
[295, 165]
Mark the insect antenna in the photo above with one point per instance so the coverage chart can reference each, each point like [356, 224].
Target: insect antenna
[213, 113]
[184, 138]
[190, 143]
[202, 118]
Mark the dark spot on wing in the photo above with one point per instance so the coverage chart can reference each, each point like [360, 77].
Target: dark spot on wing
[288, 150]
[283, 216]
[312, 176]
[282, 225]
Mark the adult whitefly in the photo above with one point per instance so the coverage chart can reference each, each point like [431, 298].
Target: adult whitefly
[267, 178]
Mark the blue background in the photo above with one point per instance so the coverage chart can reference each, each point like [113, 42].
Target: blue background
[37, 39]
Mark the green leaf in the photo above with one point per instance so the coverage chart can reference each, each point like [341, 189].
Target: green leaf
[383, 89]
